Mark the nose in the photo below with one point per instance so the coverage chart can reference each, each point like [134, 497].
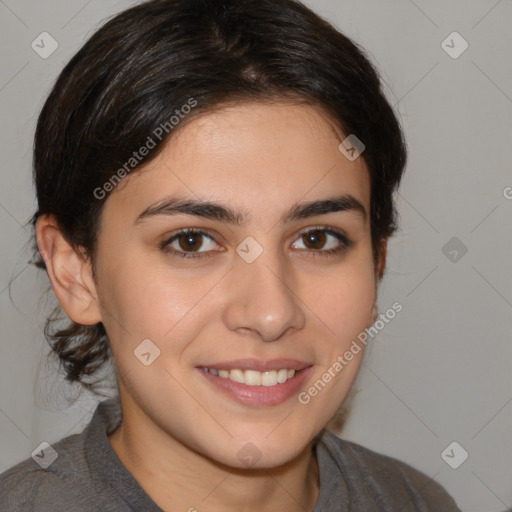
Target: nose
[263, 300]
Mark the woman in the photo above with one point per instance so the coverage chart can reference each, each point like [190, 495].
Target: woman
[214, 183]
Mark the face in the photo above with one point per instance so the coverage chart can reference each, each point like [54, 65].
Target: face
[219, 332]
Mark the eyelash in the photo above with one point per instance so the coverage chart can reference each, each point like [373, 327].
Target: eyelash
[345, 243]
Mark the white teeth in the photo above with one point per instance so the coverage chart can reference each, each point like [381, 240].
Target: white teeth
[269, 378]
[282, 376]
[254, 377]
[237, 376]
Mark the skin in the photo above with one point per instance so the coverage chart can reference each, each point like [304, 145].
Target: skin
[180, 436]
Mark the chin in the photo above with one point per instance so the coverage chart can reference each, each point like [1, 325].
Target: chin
[260, 452]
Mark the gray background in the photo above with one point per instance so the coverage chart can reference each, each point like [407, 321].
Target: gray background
[440, 371]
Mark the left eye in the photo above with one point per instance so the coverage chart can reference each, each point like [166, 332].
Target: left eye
[321, 240]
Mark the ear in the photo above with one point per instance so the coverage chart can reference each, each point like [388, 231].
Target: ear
[70, 273]
[379, 272]
[381, 263]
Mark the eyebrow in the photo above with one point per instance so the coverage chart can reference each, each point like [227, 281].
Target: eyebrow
[216, 211]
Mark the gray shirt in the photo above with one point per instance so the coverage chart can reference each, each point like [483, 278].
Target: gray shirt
[88, 476]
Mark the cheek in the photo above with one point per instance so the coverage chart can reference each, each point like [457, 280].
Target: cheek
[342, 302]
[344, 310]
[144, 301]
[347, 308]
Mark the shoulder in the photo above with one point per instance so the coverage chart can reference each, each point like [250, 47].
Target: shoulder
[28, 487]
[72, 475]
[387, 479]
[25, 488]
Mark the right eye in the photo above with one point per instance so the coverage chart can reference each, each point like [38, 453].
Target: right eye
[186, 243]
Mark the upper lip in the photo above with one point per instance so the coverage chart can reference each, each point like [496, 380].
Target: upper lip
[258, 364]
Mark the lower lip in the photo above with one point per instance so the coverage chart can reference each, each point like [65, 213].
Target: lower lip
[258, 395]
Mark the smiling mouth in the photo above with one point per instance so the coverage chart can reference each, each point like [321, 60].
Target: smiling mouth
[254, 377]
[257, 383]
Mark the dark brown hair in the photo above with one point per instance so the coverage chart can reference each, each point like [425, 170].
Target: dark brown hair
[132, 75]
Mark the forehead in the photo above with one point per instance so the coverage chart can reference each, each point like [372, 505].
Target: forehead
[257, 157]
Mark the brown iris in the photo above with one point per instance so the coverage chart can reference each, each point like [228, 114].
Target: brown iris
[192, 241]
[316, 237]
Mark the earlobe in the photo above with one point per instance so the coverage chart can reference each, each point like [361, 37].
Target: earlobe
[373, 315]
[70, 273]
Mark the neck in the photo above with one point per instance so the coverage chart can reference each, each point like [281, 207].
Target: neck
[178, 478]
